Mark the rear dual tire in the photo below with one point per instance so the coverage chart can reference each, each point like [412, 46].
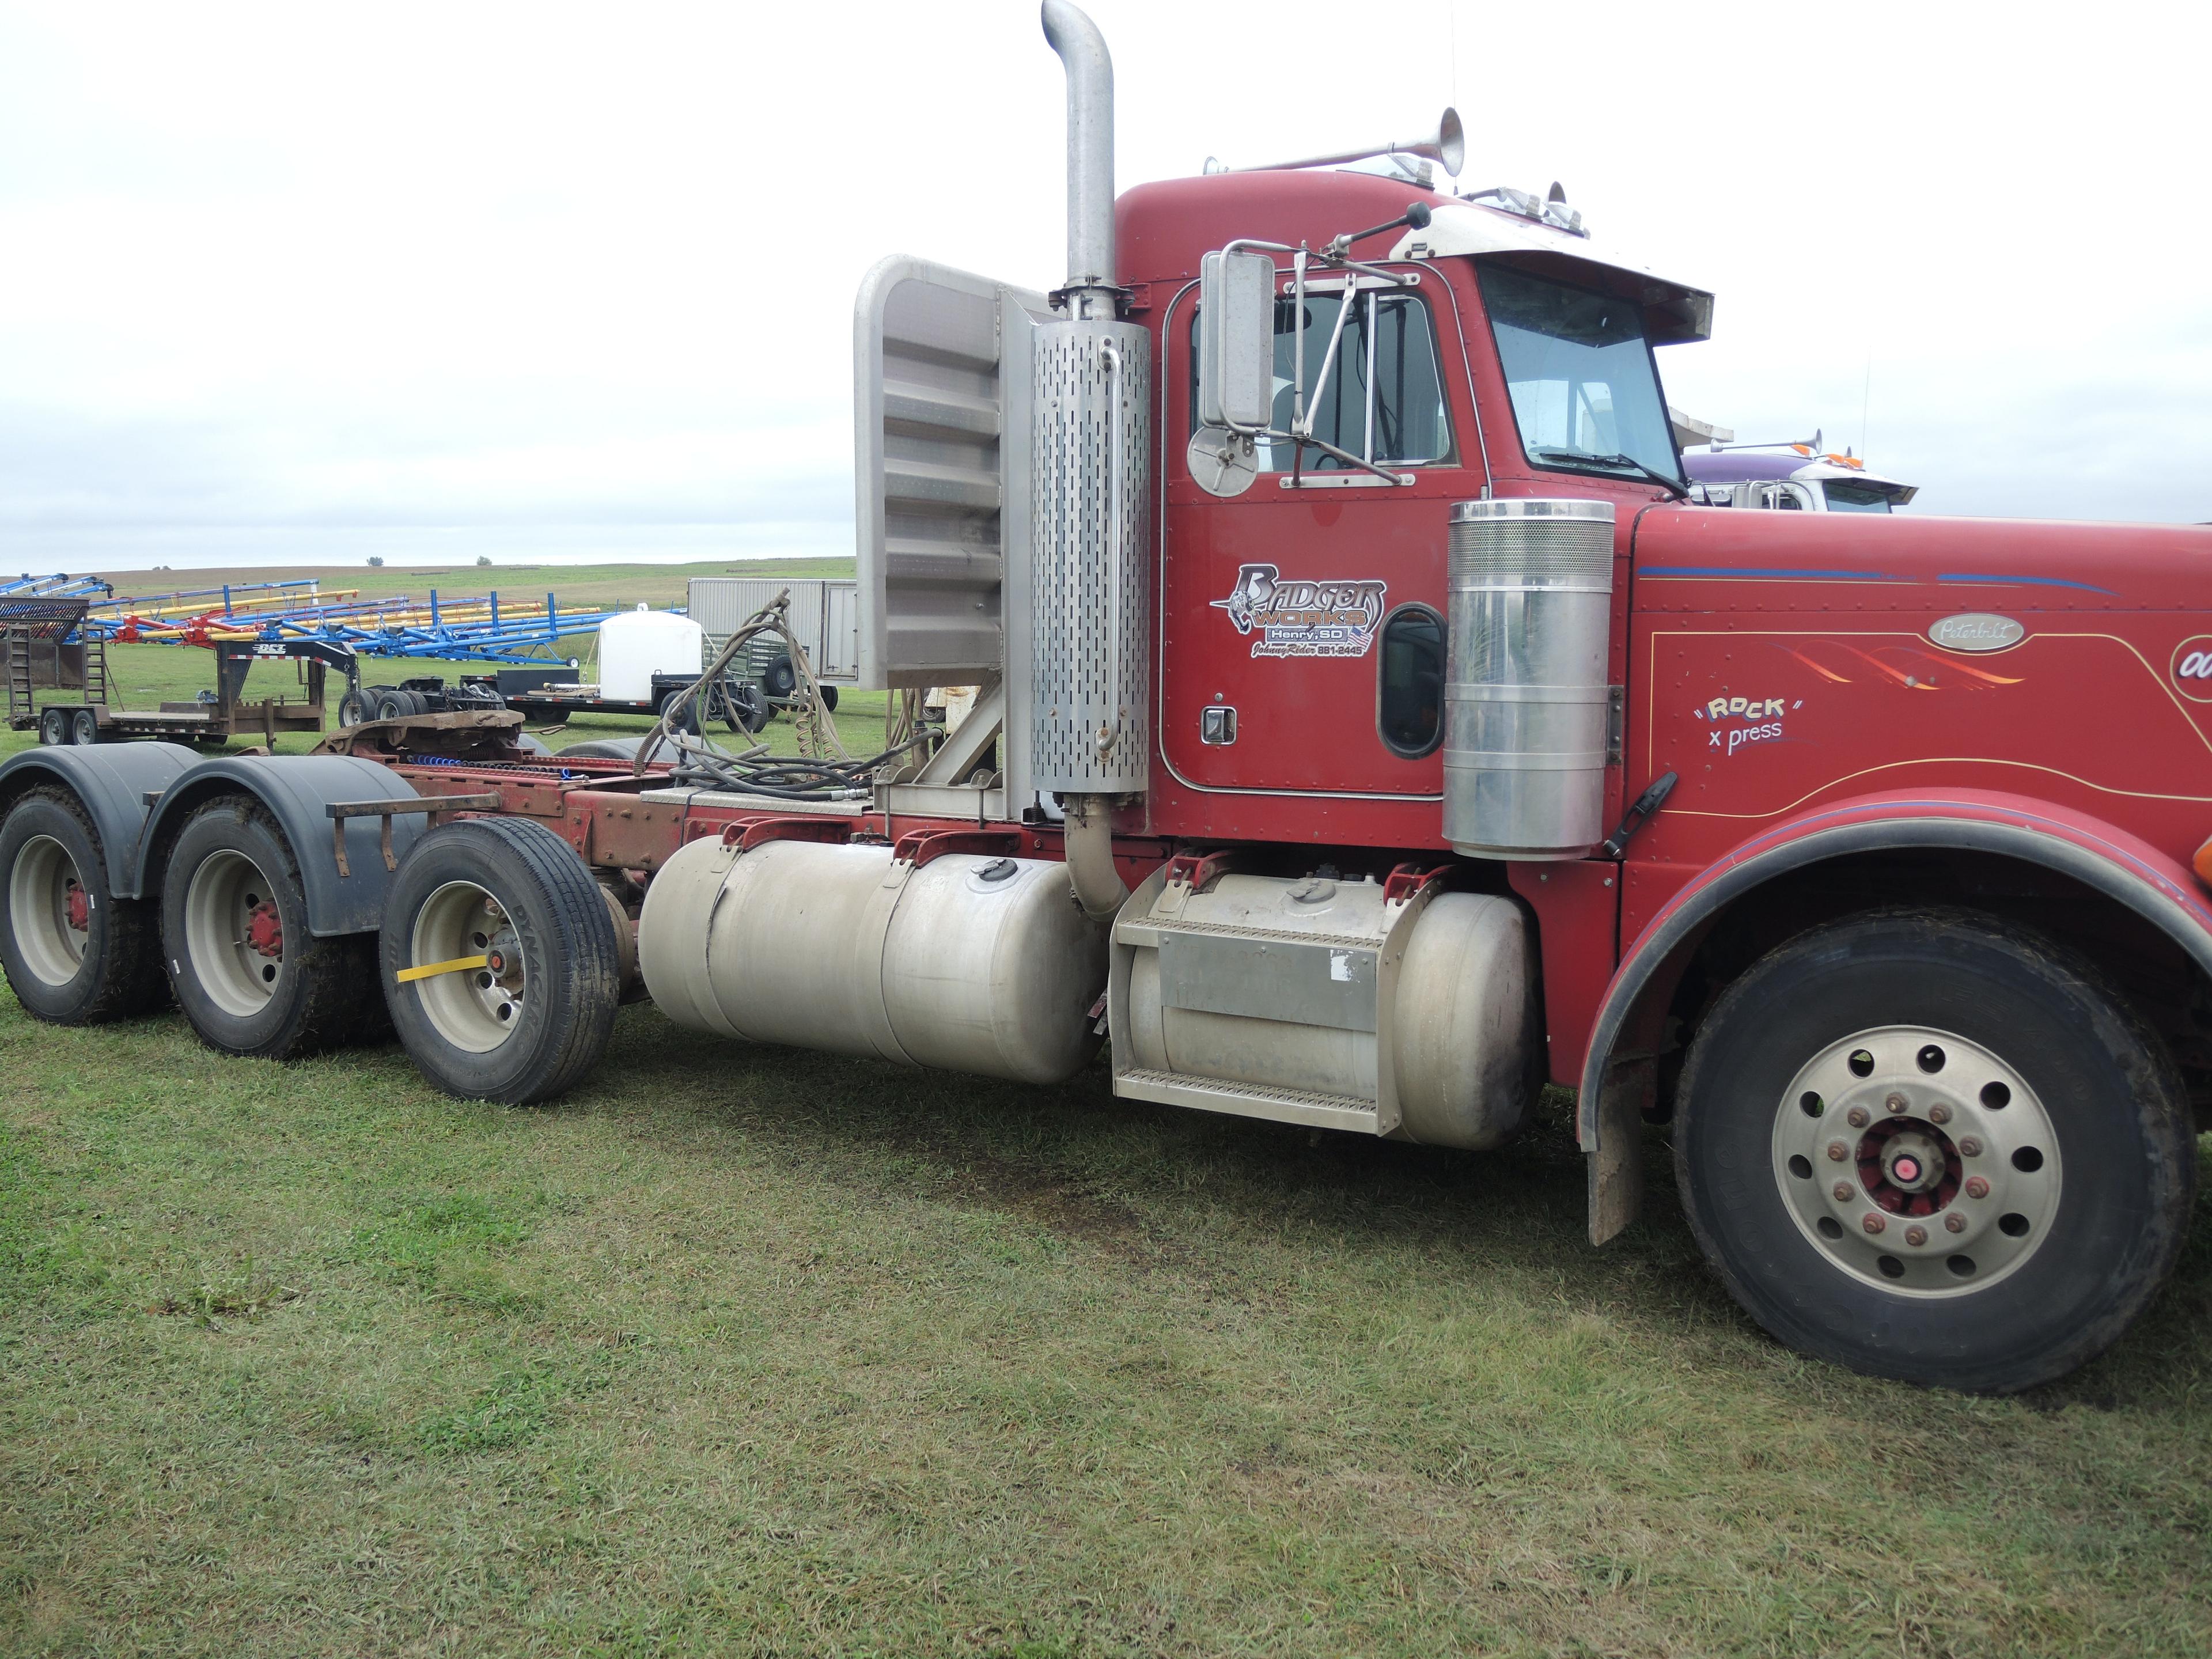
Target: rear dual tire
[73, 954]
[250, 976]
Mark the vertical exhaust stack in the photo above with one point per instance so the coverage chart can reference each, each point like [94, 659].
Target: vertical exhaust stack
[1090, 459]
[1090, 67]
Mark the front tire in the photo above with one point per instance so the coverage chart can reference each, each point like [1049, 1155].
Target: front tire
[249, 975]
[74, 954]
[527, 973]
[1934, 1147]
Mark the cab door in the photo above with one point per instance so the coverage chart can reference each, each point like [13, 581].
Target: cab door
[1301, 633]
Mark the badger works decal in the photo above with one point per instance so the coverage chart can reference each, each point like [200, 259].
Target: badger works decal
[1737, 721]
[1301, 619]
[2192, 668]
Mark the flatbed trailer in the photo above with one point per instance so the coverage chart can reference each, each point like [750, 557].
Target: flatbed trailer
[222, 717]
[1369, 732]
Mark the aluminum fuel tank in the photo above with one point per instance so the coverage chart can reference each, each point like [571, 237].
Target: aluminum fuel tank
[967, 962]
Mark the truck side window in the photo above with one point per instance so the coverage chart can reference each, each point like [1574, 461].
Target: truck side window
[1410, 424]
[1410, 709]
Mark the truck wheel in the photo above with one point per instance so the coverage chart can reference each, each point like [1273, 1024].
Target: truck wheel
[84, 727]
[500, 961]
[250, 977]
[1932, 1146]
[74, 955]
[53, 727]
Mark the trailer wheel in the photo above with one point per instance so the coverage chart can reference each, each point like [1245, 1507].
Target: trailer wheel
[390, 703]
[500, 961]
[1932, 1146]
[829, 697]
[740, 705]
[84, 728]
[353, 709]
[250, 977]
[780, 678]
[53, 727]
[74, 954]
[686, 712]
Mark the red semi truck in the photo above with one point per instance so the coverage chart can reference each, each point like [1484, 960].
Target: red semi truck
[1370, 732]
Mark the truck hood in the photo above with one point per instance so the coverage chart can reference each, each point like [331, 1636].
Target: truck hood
[1718, 559]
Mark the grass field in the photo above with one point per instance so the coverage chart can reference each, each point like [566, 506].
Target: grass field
[748, 1351]
[582, 587]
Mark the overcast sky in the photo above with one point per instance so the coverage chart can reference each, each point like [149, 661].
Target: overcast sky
[297, 283]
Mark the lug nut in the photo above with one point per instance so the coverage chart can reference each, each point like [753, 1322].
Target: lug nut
[1856, 1117]
[1971, 1147]
[1977, 1187]
[1837, 1152]
[1916, 1236]
[1895, 1103]
[1939, 1113]
[1845, 1192]
[1872, 1223]
[1954, 1223]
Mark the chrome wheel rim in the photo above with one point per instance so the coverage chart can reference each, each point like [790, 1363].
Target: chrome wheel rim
[1917, 1161]
[50, 910]
[234, 934]
[477, 1008]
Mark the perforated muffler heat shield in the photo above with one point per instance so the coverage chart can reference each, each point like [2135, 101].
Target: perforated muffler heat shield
[1090, 456]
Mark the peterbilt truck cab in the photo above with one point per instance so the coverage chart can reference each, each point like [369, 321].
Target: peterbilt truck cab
[1369, 732]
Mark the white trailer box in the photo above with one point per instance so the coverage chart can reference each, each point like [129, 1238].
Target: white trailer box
[824, 615]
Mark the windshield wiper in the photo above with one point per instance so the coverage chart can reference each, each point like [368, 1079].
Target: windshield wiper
[1672, 486]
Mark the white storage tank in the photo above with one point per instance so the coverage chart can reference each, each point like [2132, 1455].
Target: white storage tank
[638, 644]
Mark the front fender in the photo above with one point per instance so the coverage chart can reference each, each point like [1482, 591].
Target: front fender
[2122, 866]
[295, 789]
[112, 779]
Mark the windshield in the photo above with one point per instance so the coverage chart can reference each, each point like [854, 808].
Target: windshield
[1848, 495]
[1585, 391]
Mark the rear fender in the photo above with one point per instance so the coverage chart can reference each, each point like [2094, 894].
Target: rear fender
[112, 781]
[2112, 861]
[295, 789]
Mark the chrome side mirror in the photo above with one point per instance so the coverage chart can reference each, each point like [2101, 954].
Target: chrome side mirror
[1237, 341]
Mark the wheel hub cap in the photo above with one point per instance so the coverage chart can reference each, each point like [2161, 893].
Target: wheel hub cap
[264, 930]
[480, 1009]
[1956, 1160]
[51, 909]
[233, 933]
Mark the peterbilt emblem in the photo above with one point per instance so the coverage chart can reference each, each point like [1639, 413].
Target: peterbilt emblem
[1294, 618]
[1978, 630]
